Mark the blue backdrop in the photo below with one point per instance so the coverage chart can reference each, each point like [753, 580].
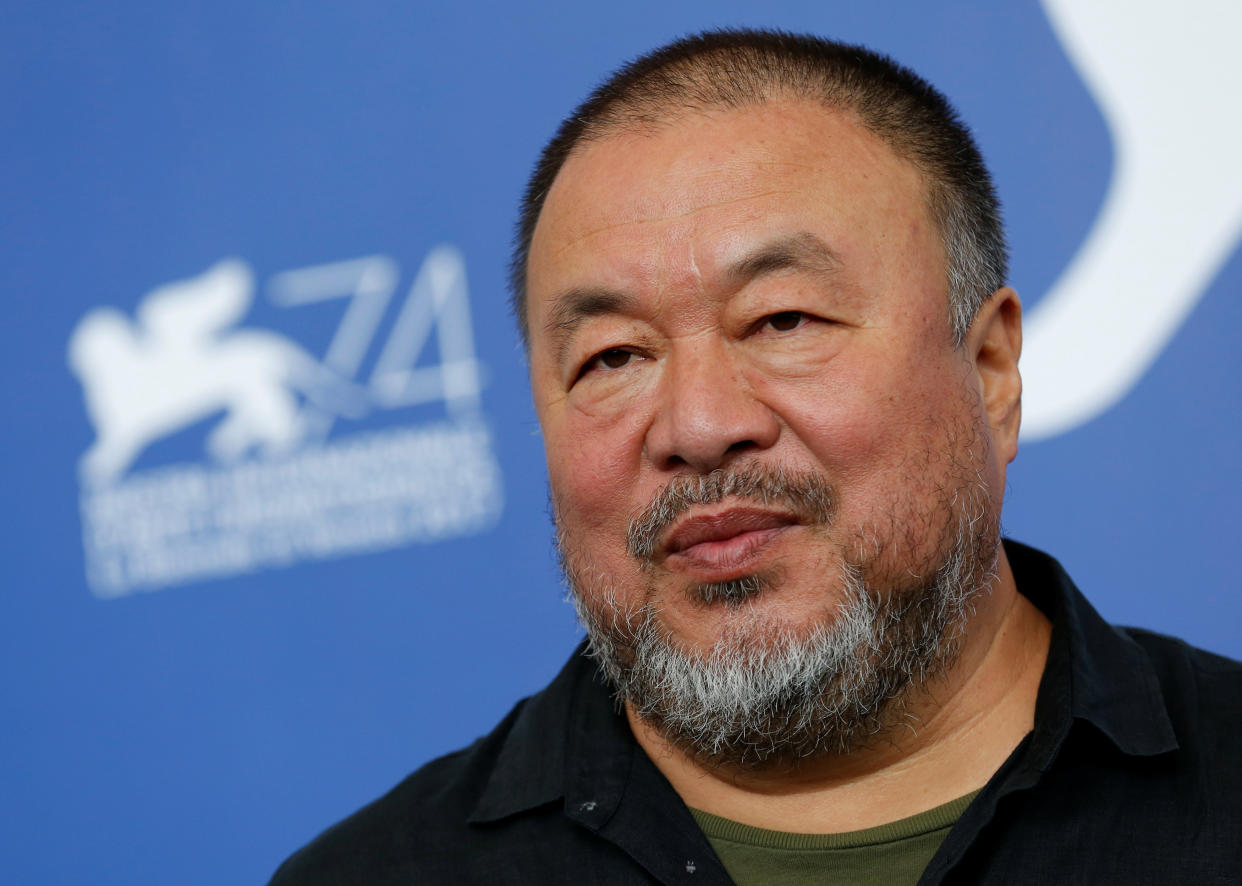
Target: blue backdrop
[274, 516]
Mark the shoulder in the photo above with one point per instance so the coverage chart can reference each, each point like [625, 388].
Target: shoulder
[417, 826]
[456, 819]
[1200, 688]
[1163, 647]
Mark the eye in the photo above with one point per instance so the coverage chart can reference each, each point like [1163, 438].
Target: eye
[609, 360]
[614, 358]
[786, 321]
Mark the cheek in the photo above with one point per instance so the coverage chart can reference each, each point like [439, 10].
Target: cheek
[847, 419]
[871, 423]
[593, 467]
[593, 481]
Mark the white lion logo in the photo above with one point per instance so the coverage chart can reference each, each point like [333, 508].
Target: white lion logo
[177, 365]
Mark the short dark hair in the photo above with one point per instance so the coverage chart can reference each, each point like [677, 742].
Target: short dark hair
[739, 68]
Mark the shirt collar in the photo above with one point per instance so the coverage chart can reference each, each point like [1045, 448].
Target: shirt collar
[1096, 673]
[571, 745]
[543, 744]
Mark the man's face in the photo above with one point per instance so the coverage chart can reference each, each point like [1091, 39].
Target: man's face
[750, 293]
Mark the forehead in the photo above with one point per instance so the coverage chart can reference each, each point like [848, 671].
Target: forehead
[646, 208]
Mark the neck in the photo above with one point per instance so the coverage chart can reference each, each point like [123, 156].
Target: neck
[960, 728]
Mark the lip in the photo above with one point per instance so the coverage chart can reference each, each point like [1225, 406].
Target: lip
[715, 545]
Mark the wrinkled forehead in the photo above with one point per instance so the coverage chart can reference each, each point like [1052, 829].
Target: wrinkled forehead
[641, 197]
[794, 130]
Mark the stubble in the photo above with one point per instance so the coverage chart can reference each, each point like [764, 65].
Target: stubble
[771, 694]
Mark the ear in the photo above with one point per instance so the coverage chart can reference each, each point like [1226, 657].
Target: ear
[995, 343]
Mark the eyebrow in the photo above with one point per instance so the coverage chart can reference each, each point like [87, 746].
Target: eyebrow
[573, 306]
[801, 251]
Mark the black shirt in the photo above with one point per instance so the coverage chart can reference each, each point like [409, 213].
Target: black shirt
[1132, 774]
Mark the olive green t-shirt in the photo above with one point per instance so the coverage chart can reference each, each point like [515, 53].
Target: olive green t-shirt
[893, 854]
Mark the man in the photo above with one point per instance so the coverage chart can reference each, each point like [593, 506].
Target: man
[761, 281]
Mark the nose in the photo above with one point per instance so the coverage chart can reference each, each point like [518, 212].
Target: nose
[707, 414]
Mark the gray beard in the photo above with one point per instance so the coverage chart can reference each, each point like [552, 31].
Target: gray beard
[765, 696]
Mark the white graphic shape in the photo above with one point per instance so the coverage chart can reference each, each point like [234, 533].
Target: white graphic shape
[368, 283]
[1167, 82]
[178, 365]
[439, 298]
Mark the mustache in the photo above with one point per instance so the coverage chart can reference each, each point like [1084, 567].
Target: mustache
[807, 495]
